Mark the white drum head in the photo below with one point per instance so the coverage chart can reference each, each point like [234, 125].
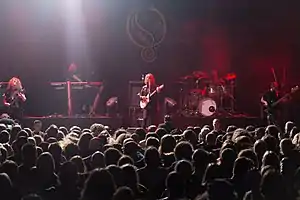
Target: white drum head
[207, 107]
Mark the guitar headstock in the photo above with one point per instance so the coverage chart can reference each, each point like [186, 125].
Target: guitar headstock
[161, 87]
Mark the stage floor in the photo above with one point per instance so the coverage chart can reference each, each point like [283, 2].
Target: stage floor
[83, 122]
[117, 122]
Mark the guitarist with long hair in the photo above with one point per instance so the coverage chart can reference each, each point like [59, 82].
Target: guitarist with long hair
[14, 98]
[149, 100]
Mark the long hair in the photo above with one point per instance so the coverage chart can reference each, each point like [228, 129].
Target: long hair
[14, 83]
[149, 79]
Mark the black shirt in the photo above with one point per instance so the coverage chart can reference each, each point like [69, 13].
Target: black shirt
[270, 97]
[153, 104]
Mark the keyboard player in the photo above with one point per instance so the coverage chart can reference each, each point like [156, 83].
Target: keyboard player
[82, 99]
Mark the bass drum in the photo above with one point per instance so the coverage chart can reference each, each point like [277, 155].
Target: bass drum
[207, 107]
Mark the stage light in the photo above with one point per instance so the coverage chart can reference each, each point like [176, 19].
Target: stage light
[170, 106]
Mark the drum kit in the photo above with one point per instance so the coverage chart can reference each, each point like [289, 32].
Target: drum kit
[207, 95]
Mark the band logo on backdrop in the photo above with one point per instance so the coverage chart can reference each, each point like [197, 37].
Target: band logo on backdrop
[147, 30]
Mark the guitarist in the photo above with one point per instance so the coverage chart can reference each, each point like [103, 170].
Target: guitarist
[271, 96]
[150, 112]
[14, 98]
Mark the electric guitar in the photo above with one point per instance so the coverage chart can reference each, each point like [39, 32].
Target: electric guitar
[146, 99]
[272, 105]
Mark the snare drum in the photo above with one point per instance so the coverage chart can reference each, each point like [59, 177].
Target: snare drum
[207, 107]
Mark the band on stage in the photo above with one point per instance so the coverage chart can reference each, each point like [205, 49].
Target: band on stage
[214, 91]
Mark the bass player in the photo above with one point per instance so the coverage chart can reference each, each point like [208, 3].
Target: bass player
[274, 113]
[149, 100]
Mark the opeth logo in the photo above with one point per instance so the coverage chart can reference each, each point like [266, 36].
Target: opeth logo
[147, 30]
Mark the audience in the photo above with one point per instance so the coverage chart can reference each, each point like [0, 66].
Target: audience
[212, 162]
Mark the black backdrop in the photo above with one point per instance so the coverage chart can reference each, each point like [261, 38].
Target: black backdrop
[245, 37]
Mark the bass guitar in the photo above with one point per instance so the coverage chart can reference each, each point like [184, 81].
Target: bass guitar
[146, 99]
[272, 105]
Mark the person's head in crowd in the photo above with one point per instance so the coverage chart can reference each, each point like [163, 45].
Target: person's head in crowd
[167, 144]
[60, 135]
[38, 139]
[183, 150]
[190, 136]
[120, 139]
[125, 160]
[216, 124]
[296, 182]
[56, 151]
[175, 185]
[37, 126]
[78, 161]
[31, 140]
[271, 143]
[3, 154]
[45, 165]
[95, 144]
[11, 169]
[250, 154]
[29, 155]
[152, 142]
[120, 131]
[96, 129]
[185, 169]
[152, 157]
[250, 128]
[273, 131]
[14, 132]
[288, 127]
[202, 134]
[76, 129]
[6, 186]
[4, 137]
[241, 167]
[99, 184]
[286, 147]
[83, 143]
[220, 189]
[97, 160]
[123, 193]
[64, 130]
[22, 133]
[272, 186]
[259, 148]
[135, 137]
[259, 133]
[200, 160]
[288, 169]
[227, 158]
[161, 132]
[117, 174]
[112, 156]
[151, 128]
[29, 131]
[141, 133]
[210, 139]
[127, 140]
[52, 131]
[71, 150]
[131, 178]
[17, 145]
[270, 158]
[130, 148]
[293, 132]
[68, 174]
[152, 134]
[32, 197]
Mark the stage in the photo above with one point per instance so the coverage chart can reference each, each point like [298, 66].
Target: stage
[117, 122]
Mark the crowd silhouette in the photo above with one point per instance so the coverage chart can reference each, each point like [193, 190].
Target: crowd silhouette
[212, 162]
